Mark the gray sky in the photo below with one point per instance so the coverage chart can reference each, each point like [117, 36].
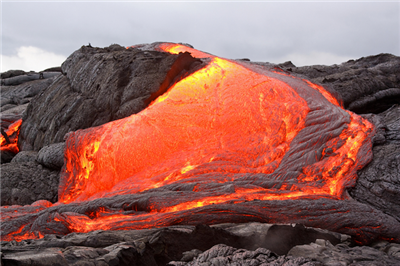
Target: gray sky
[38, 35]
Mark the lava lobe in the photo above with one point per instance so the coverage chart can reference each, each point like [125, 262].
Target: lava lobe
[226, 122]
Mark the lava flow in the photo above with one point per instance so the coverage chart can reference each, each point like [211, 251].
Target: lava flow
[223, 119]
[229, 132]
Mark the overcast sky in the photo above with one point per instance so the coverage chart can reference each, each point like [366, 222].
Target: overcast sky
[42, 34]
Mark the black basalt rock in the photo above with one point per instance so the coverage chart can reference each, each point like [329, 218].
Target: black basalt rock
[367, 85]
[98, 85]
[23, 183]
[378, 183]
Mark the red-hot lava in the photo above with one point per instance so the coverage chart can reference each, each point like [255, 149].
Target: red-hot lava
[266, 134]
[224, 116]
[9, 138]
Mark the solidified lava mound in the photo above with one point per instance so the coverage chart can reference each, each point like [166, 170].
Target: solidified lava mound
[221, 141]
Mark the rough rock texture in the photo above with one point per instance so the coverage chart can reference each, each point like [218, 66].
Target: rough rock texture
[367, 85]
[21, 93]
[25, 156]
[225, 255]
[25, 181]
[12, 73]
[223, 244]
[30, 76]
[52, 156]
[328, 254]
[321, 252]
[378, 184]
[159, 246]
[17, 90]
[7, 118]
[98, 86]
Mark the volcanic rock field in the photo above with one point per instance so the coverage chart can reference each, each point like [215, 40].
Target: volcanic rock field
[160, 154]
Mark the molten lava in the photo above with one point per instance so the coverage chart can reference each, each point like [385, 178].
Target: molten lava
[238, 131]
[10, 140]
[232, 132]
[223, 119]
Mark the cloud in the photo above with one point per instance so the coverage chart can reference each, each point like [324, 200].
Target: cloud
[30, 58]
[268, 31]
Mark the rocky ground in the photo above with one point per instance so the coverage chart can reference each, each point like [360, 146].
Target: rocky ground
[94, 86]
[224, 244]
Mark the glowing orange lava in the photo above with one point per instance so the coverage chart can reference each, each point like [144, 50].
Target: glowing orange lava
[171, 141]
[12, 133]
[225, 117]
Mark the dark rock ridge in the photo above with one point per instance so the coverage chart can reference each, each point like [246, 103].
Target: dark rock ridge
[317, 254]
[100, 85]
[367, 85]
[378, 183]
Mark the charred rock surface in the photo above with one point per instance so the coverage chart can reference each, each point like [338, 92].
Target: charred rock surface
[378, 184]
[17, 90]
[226, 255]
[158, 246]
[381, 253]
[52, 156]
[13, 80]
[319, 253]
[12, 73]
[13, 95]
[98, 86]
[25, 181]
[223, 244]
[367, 85]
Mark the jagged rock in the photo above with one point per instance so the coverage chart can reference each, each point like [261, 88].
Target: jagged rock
[367, 85]
[99, 86]
[30, 76]
[391, 249]
[26, 182]
[222, 255]
[279, 238]
[21, 94]
[6, 119]
[24, 156]
[156, 246]
[47, 257]
[52, 156]
[12, 73]
[341, 254]
[160, 246]
[15, 99]
[378, 183]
